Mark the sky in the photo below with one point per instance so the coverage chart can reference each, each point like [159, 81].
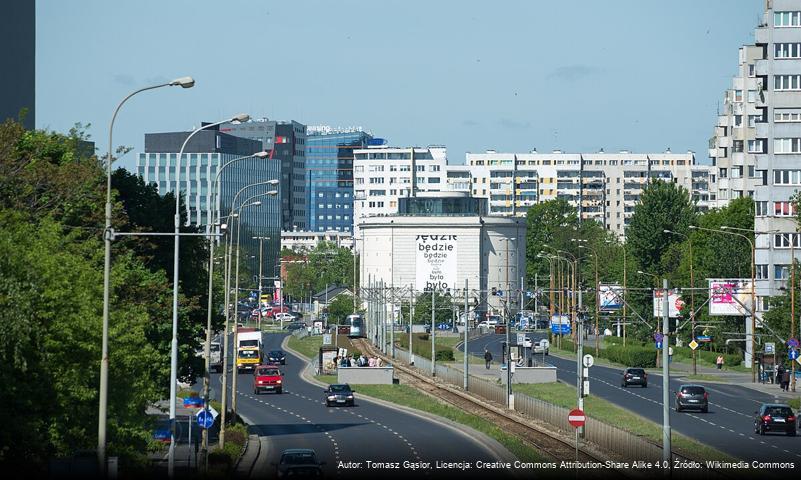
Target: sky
[510, 76]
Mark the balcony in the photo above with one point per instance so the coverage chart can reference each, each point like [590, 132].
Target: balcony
[724, 142]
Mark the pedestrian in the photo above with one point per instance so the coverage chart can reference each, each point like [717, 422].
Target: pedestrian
[379, 362]
[719, 362]
[786, 380]
[371, 362]
[487, 357]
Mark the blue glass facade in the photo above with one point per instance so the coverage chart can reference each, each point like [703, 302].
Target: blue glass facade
[329, 164]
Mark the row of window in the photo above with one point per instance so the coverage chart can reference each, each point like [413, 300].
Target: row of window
[333, 217]
[787, 50]
[780, 209]
[787, 19]
[334, 205]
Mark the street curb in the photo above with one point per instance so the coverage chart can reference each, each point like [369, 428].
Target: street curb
[493, 445]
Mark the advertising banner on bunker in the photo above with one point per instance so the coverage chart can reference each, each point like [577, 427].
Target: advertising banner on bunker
[730, 296]
[611, 297]
[436, 262]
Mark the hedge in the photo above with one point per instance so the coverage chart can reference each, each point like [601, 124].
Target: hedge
[633, 354]
[422, 347]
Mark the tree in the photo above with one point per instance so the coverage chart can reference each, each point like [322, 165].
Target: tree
[339, 308]
[443, 308]
[324, 265]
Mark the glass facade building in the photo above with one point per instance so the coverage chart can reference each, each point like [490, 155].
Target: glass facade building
[329, 163]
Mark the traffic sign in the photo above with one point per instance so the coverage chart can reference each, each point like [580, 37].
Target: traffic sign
[327, 339]
[205, 419]
[703, 338]
[576, 418]
[587, 360]
[658, 337]
[793, 343]
[659, 345]
[792, 354]
[521, 338]
[193, 402]
[770, 347]
[693, 344]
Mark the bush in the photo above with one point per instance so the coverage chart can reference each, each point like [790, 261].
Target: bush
[445, 355]
[630, 355]
[732, 360]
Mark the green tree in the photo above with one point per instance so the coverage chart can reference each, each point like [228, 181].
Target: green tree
[340, 307]
[443, 307]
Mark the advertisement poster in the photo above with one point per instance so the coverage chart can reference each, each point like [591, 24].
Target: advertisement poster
[328, 365]
[730, 296]
[611, 297]
[675, 303]
[436, 262]
[560, 324]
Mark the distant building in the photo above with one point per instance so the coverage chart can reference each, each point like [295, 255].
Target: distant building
[287, 142]
[203, 156]
[299, 241]
[329, 162]
[18, 60]
[602, 186]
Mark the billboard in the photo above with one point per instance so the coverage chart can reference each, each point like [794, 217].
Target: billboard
[727, 295]
[436, 262]
[610, 297]
[560, 324]
[675, 303]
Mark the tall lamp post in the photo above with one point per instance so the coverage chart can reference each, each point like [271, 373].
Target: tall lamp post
[724, 230]
[692, 293]
[574, 314]
[261, 264]
[597, 297]
[184, 82]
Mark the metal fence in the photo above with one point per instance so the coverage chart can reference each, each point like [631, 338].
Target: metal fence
[300, 333]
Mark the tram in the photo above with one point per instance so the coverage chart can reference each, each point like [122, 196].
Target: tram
[355, 322]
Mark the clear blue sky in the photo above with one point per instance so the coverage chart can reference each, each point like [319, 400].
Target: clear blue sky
[472, 75]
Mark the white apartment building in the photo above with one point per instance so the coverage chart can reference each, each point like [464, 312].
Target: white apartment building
[602, 186]
[382, 175]
[305, 240]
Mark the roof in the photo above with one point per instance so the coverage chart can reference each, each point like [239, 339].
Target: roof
[331, 293]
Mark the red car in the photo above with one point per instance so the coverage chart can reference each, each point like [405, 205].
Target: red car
[270, 312]
[267, 378]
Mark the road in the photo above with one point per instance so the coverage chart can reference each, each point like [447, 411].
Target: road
[727, 427]
[368, 432]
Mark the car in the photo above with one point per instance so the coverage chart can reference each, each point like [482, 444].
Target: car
[542, 347]
[298, 462]
[775, 417]
[294, 326]
[284, 317]
[267, 378]
[339, 394]
[276, 356]
[692, 397]
[634, 376]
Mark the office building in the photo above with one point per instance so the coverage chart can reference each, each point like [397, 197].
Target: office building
[602, 186]
[203, 157]
[305, 241]
[18, 80]
[287, 142]
[329, 163]
[382, 175]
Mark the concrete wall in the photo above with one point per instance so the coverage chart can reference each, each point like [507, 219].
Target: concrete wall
[531, 375]
[365, 375]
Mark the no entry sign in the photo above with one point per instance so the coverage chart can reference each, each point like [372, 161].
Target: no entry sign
[576, 418]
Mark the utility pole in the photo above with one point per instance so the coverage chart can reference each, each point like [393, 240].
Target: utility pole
[666, 441]
[433, 335]
[466, 329]
[510, 400]
[579, 363]
[792, 305]
[411, 319]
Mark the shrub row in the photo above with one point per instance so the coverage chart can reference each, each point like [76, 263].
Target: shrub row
[422, 347]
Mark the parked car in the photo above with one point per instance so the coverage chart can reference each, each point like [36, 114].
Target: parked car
[634, 376]
[276, 356]
[285, 317]
[300, 462]
[775, 417]
[294, 326]
[692, 396]
[267, 378]
[339, 394]
[542, 347]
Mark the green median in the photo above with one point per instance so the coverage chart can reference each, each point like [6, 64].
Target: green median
[607, 412]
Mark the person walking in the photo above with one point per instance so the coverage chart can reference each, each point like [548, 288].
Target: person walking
[487, 357]
[779, 375]
[719, 362]
[786, 380]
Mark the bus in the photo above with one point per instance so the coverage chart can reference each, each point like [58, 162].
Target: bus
[355, 322]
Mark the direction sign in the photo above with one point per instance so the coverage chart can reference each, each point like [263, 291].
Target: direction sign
[693, 344]
[521, 338]
[703, 338]
[587, 360]
[193, 402]
[205, 419]
[576, 418]
[792, 343]
[792, 354]
[659, 345]
[770, 347]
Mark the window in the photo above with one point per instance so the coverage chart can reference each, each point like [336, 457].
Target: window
[787, 50]
[751, 70]
[783, 209]
[393, 168]
[756, 146]
[358, 168]
[781, 116]
[752, 96]
[376, 168]
[787, 177]
[738, 146]
[738, 95]
[376, 179]
[761, 208]
[781, 272]
[738, 120]
[736, 172]
[786, 19]
[787, 145]
[433, 168]
[723, 173]
[787, 82]
[782, 240]
[753, 120]
[433, 179]
[761, 272]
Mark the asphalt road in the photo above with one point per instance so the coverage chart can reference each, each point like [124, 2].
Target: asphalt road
[728, 426]
[298, 418]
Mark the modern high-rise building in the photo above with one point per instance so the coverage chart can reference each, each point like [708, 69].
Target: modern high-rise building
[287, 142]
[18, 60]
[602, 186]
[382, 175]
[203, 157]
[329, 163]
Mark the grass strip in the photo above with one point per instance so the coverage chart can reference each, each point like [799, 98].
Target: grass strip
[607, 412]
[410, 397]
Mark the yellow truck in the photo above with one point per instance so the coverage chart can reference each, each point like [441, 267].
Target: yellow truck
[249, 350]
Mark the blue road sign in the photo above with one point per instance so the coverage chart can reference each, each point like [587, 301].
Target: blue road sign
[530, 294]
[499, 293]
[658, 337]
[659, 345]
[792, 354]
[193, 402]
[205, 419]
[792, 343]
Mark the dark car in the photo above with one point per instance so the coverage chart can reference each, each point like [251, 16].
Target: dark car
[295, 326]
[634, 376]
[276, 356]
[299, 462]
[775, 417]
[339, 394]
[692, 396]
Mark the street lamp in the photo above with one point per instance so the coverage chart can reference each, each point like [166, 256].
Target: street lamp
[184, 82]
[692, 293]
[625, 278]
[597, 297]
[724, 229]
